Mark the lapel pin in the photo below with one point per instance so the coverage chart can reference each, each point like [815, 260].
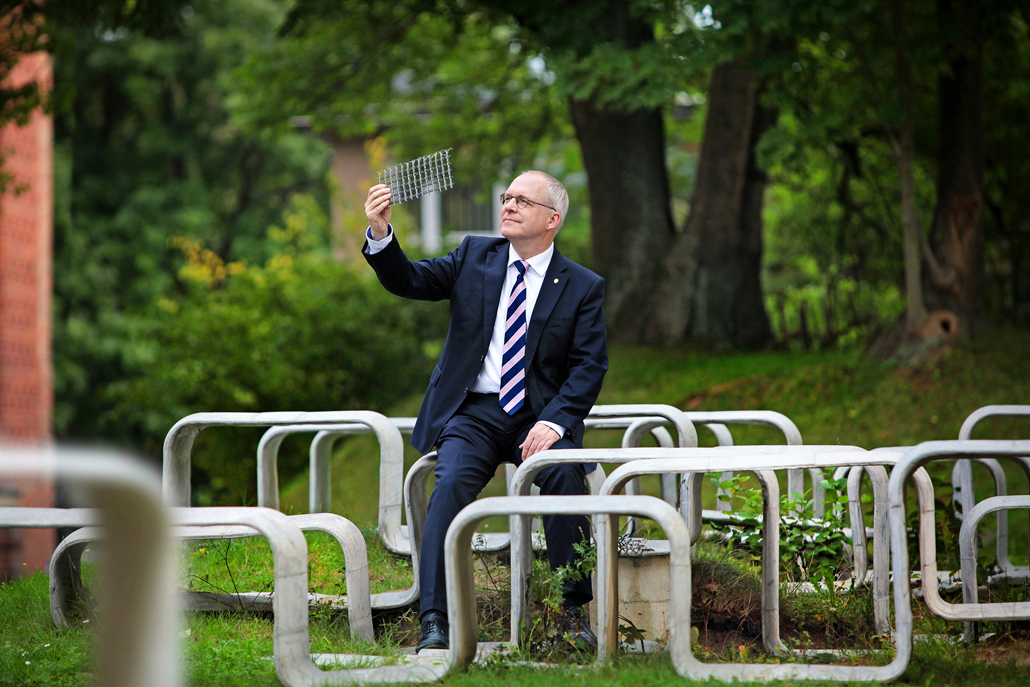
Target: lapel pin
[555, 281]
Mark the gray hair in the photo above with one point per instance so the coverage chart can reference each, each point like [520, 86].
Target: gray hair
[557, 196]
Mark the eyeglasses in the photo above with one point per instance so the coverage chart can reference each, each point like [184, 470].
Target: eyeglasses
[521, 202]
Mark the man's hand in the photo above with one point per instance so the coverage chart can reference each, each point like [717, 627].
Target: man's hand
[539, 439]
[378, 211]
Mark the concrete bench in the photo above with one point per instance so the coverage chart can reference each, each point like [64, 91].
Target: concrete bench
[909, 463]
[66, 570]
[964, 497]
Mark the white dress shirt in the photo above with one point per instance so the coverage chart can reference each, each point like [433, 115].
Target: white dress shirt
[489, 379]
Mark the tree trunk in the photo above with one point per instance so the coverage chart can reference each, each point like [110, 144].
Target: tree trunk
[958, 217]
[904, 159]
[903, 146]
[711, 287]
[624, 155]
[664, 287]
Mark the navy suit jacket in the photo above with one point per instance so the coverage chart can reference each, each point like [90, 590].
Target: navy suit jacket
[566, 346]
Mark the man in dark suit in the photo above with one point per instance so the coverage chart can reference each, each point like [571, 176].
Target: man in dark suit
[523, 363]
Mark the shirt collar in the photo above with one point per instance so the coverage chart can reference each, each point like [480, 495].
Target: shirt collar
[539, 263]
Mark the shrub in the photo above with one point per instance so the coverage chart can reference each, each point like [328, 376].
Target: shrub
[300, 333]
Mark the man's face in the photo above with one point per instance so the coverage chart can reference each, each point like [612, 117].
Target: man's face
[532, 221]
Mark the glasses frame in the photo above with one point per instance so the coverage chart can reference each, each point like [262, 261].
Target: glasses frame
[521, 202]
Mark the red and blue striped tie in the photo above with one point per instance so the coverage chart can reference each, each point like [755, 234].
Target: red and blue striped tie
[513, 360]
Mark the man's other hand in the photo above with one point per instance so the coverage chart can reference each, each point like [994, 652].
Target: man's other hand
[378, 211]
[539, 439]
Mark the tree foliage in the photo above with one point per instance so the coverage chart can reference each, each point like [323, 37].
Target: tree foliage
[148, 150]
[423, 71]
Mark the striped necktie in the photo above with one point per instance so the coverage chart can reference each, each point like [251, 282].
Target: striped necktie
[513, 360]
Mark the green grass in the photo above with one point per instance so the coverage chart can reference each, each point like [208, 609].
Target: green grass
[834, 397]
[33, 651]
[236, 565]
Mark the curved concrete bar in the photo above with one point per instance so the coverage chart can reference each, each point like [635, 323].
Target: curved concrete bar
[909, 463]
[179, 443]
[66, 571]
[1016, 610]
[962, 484]
[820, 458]
[881, 539]
[138, 638]
[701, 460]
[608, 608]
[458, 553]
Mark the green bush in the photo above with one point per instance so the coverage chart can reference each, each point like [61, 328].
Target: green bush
[300, 333]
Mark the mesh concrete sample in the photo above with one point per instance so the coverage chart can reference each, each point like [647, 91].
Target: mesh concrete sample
[414, 179]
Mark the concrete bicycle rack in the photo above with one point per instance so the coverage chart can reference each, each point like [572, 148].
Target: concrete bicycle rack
[320, 489]
[965, 498]
[910, 462]
[747, 458]
[520, 558]
[290, 640]
[179, 443]
[320, 482]
[880, 574]
[968, 555]
[714, 460]
[416, 501]
[137, 634]
[319, 493]
[458, 554]
[66, 570]
[717, 423]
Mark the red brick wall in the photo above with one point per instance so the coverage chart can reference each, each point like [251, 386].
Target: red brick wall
[26, 237]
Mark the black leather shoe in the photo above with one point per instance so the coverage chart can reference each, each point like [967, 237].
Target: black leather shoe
[434, 632]
[575, 629]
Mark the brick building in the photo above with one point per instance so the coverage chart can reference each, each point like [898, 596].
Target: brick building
[26, 389]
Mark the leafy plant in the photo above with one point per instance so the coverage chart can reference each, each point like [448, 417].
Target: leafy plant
[812, 549]
[547, 590]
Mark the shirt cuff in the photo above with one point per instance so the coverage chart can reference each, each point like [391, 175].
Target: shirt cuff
[376, 246]
[557, 428]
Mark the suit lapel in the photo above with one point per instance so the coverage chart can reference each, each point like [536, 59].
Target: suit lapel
[554, 283]
[493, 282]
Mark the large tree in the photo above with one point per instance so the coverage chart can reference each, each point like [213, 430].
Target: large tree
[913, 74]
[666, 284]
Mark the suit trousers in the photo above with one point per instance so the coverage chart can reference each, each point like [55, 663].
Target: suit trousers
[474, 442]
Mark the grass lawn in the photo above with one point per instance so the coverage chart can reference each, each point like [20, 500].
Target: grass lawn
[835, 397]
